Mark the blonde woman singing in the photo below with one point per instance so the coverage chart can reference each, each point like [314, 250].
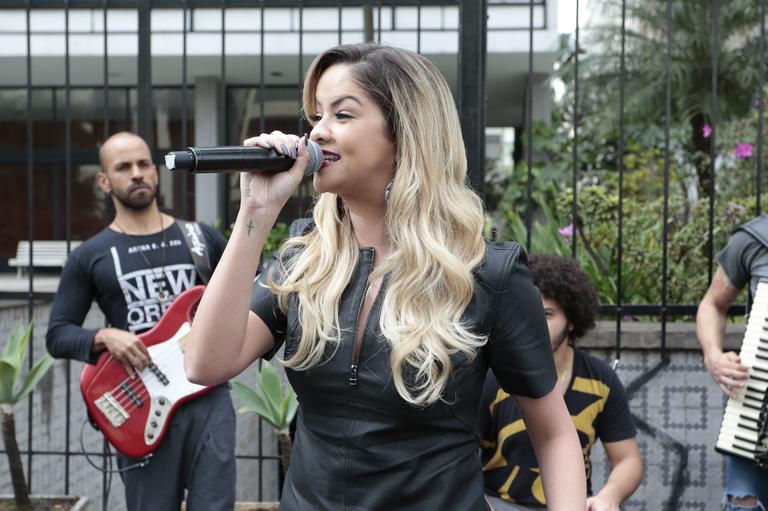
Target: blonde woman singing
[391, 307]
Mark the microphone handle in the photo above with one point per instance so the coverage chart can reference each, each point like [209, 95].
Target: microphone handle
[235, 158]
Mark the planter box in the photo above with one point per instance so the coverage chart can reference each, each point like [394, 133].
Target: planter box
[48, 503]
[248, 506]
[256, 506]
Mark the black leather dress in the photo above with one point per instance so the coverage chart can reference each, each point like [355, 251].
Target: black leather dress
[359, 445]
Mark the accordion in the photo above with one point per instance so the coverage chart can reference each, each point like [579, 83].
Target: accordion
[744, 430]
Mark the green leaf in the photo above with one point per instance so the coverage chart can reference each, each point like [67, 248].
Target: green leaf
[253, 402]
[7, 380]
[16, 346]
[33, 376]
[293, 405]
[270, 385]
[270, 400]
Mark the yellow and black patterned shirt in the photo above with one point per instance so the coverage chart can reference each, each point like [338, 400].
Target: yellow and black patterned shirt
[597, 404]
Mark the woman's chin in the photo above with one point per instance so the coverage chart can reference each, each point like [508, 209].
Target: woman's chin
[324, 183]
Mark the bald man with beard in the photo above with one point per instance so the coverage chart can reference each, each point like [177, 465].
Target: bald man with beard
[133, 269]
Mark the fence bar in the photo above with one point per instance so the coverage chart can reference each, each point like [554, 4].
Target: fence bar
[418, 27]
[760, 108]
[575, 224]
[144, 82]
[620, 158]
[127, 108]
[105, 66]
[184, 188]
[713, 138]
[529, 133]
[222, 182]
[299, 74]
[105, 462]
[667, 151]
[263, 128]
[68, 218]
[262, 78]
[471, 86]
[30, 233]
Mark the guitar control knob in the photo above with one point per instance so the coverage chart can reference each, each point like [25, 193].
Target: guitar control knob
[154, 424]
[150, 436]
[162, 402]
[158, 412]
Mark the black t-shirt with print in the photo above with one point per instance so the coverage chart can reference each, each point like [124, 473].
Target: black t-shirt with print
[110, 269]
[598, 406]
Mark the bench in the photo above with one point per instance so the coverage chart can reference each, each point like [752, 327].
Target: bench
[47, 253]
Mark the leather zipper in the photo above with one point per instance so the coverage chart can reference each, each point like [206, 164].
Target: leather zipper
[353, 366]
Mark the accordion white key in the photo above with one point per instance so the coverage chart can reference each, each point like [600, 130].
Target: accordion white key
[744, 430]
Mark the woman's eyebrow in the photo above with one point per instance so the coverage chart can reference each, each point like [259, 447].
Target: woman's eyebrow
[341, 99]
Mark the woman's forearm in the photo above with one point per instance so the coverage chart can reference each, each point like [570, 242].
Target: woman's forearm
[558, 450]
[562, 472]
[218, 332]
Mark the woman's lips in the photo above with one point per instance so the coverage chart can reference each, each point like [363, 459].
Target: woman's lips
[329, 159]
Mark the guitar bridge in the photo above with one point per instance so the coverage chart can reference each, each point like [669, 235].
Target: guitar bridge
[111, 409]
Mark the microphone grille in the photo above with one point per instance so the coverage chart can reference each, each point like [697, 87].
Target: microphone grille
[315, 157]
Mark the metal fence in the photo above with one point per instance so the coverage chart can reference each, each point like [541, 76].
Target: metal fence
[52, 159]
[245, 83]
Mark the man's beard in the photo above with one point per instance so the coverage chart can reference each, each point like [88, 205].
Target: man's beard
[137, 202]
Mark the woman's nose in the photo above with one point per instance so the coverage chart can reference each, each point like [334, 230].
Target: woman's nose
[320, 133]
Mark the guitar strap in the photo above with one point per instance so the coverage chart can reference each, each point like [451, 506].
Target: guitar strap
[193, 235]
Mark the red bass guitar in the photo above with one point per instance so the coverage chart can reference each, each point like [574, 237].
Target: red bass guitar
[134, 413]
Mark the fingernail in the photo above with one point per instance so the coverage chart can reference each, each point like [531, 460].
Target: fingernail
[270, 144]
[284, 148]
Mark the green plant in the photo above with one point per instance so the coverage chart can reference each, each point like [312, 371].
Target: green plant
[277, 235]
[13, 389]
[272, 401]
[275, 238]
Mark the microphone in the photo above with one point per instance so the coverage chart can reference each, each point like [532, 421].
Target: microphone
[241, 158]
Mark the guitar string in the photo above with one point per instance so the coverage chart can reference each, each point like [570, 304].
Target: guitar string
[136, 385]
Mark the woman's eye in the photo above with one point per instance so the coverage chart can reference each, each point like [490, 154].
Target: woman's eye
[342, 115]
[315, 118]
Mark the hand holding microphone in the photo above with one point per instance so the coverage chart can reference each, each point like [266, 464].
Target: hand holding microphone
[272, 166]
[267, 160]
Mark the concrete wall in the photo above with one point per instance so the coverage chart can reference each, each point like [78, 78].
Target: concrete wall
[679, 408]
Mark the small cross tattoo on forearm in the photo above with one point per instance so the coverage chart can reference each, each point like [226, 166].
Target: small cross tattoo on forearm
[249, 227]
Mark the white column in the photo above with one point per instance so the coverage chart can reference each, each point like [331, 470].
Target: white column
[208, 187]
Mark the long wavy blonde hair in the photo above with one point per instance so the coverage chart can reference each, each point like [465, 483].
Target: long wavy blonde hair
[434, 223]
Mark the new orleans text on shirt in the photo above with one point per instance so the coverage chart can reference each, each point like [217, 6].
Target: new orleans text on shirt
[140, 287]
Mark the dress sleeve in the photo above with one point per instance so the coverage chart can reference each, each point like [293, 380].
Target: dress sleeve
[264, 304]
[520, 350]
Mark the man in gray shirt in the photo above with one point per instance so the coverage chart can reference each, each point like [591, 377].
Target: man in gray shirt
[743, 261]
